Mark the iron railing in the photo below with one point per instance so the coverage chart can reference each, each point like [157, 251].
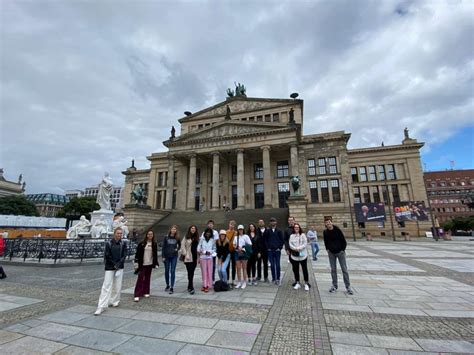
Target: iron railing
[58, 249]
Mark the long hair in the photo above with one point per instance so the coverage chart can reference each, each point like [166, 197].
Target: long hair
[177, 231]
[254, 229]
[210, 231]
[301, 229]
[194, 236]
[145, 239]
[224, 243]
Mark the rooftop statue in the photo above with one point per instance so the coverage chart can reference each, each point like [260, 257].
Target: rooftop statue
[405, 131]
[240, 90]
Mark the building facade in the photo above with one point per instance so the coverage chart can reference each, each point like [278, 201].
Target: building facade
[47, 204]
[8, 188]
[73, 194]
[449, 193]
[242, 152]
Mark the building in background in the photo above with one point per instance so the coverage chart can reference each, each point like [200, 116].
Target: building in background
[243, 152]
[47, 204]
[73, 193]
[8, 188]
[449, 192]
[115, 198]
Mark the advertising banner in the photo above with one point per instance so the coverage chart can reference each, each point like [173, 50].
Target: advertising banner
[410, 211]
[369, 212]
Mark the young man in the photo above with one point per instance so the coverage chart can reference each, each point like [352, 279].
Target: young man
[263, 256]
[313, 240]
[274, 242]
[335, 244]
[210, 224]
[114, 255]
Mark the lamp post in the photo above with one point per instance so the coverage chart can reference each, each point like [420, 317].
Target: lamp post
[435, 230]
[350, 211]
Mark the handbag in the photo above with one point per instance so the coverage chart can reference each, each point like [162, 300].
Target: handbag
[181, 257]
[295, 253]
[248, 250]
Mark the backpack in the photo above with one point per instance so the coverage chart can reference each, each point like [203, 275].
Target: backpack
[220, 286]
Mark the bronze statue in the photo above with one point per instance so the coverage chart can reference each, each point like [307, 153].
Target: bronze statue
[295, 182]
[173, 132]
[227, 113]
[230, 92]
[138, 195]
[133, 163]
[405, 131]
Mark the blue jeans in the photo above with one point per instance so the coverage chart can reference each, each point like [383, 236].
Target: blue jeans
[222, 271]
[170, 268]
[315, 249]
[274, 260]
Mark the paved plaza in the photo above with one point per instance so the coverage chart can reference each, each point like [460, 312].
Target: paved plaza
[410, 298]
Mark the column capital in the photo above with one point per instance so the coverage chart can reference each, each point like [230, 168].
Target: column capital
[192, 156]
[240, 150]
[216, 153]
[265, 147]
[294, 144]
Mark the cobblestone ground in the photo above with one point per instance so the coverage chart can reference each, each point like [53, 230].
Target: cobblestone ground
[410, 297]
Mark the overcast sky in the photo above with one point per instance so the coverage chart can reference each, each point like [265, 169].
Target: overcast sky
[88, 85]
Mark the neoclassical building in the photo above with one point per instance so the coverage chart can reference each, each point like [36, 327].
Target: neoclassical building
[242, 152]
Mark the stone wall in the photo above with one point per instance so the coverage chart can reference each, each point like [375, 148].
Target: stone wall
[141, 218]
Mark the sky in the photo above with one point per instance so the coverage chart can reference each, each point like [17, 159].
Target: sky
[87, 86]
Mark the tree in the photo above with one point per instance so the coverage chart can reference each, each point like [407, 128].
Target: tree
[459, 223]
[17, 205]
[79, 206]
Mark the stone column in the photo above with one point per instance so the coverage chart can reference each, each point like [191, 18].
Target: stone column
[240, 180]
[170, 184]
[267, 177]
[294, 160]
[191, 182]
[215, 181]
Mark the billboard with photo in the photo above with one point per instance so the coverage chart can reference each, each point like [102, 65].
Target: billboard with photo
[410, 211]
[369, 212]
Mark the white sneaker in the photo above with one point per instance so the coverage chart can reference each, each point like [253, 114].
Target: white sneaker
[239, 285]
[98, 311]
[297, 286]
[146, 296]
[116, 304]
[136, 299]
[244, 285]
[306, 287]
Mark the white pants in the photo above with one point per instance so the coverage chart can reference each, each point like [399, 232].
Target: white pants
[111, 288]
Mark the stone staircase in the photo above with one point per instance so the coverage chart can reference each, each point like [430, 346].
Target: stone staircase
[221, 218]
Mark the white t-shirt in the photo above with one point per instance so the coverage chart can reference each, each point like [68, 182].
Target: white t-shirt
[242, 240]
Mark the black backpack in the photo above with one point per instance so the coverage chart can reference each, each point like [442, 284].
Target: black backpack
[220, 286]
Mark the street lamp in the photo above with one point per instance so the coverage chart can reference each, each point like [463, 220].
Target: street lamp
[350, 211]
[390, 209]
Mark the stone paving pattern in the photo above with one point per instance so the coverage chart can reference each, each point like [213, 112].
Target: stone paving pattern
[410, 298]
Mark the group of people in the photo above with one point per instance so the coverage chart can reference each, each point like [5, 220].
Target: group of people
[240, 255]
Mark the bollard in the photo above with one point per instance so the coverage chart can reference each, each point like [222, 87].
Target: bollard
[369, 236]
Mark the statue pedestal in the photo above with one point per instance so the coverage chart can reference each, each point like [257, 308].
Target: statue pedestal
[108, 216]
[297, 208]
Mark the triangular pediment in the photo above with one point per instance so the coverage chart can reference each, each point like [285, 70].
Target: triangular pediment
[229, 129]
[239, 105]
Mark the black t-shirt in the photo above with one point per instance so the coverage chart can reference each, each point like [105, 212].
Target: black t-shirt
[334, 240]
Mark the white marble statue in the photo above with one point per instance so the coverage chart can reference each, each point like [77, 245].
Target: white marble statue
[100, 228]
[105, 192]
[122, 223]
[83, 226]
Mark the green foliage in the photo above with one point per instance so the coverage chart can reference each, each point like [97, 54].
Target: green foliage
[460, 223]
[79, 206]
[17, 205]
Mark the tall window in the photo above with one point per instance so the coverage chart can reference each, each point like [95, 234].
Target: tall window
[313, 188]
[395, 193]
[198, 175]
[381, 169]
[372, 174]
[365, 193]
[356, 195]
[385, 194]
[391, 172]
[324, 190]
[332, 165]
[311, 167]
[276, 117]
[258, 171]
[234, 172]
[375, 193]
[161, 179]
[322, 166]
[355, 177]
[362, 173]
[173, 203]
[175, 178]
[336, 193]
[282, 169]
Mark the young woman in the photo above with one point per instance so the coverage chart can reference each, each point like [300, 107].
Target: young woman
[171, 246]
[252, 262]
[223, 255]
[299, 256]
[188, 251]
[240, 241]
[231, 233]
[206, 250]
[146, 259]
